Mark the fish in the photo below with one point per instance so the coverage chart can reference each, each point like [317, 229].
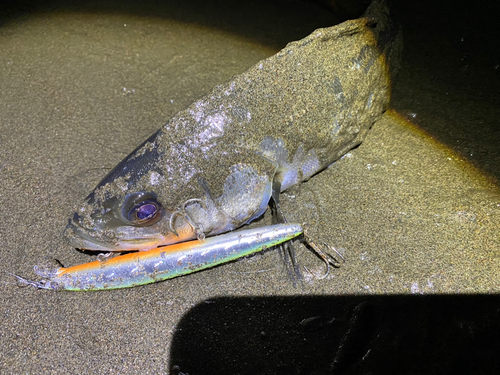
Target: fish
[218, 164]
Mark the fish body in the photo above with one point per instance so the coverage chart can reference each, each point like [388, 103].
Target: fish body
[145, 267]
[214, 166]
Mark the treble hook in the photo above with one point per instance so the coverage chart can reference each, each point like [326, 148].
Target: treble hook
[22, 282]
[181, 211]
[327, 258]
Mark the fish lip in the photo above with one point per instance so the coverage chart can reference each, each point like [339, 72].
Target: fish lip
[77, 237]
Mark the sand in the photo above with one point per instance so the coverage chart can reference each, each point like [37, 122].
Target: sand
[415, 208]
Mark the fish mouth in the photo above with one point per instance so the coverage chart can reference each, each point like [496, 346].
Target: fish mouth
[81, 238]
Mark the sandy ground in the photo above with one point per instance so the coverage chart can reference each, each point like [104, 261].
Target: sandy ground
[415, 208]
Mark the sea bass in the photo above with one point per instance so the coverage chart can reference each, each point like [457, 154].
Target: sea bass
[216, 165]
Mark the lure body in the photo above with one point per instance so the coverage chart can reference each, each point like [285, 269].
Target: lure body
[163, 263]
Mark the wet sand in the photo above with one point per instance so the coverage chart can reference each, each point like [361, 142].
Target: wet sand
[415, 208]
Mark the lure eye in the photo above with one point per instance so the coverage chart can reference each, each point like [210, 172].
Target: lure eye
[141, 208]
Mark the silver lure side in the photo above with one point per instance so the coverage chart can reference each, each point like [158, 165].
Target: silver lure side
[215, 165]
[145, 267]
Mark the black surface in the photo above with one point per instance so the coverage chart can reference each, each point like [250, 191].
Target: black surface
[452, 54]
[340, 335]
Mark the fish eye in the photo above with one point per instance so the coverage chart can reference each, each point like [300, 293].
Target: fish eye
[143, 212]
[141, 208]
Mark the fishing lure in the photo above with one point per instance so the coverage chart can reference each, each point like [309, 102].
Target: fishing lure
[145, 267]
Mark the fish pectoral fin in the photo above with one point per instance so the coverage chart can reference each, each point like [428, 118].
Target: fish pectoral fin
[286, 250]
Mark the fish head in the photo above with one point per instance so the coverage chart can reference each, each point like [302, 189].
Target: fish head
[125, 211]
[132, 221]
